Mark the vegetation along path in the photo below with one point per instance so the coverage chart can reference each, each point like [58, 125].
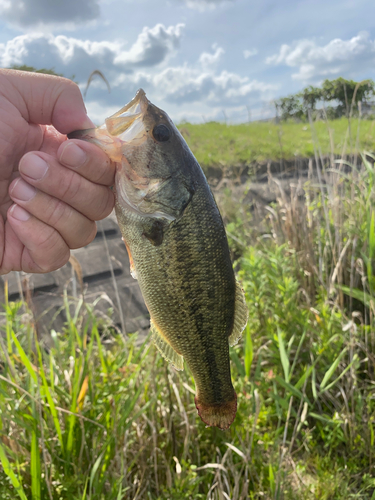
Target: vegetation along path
[93, 415]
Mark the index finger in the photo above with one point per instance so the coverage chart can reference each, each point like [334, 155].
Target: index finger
[45, 99]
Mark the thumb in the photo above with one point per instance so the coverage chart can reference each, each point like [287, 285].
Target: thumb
[46, 99]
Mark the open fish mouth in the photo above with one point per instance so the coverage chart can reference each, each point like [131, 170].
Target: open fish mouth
[121, 136]
[127, 123]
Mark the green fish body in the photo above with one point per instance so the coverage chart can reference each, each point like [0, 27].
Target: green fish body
[178, 250]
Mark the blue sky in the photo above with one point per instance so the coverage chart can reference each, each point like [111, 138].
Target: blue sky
[197, 59]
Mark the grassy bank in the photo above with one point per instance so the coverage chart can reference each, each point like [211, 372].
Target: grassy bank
[94, 417]
[217, 144]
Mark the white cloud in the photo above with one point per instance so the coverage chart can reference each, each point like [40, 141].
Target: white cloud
[69, 55]
[337, 58]
[197, 87]
[208, 60]
[27, 13]
[250, 53]
[188, 84]
[152, 46]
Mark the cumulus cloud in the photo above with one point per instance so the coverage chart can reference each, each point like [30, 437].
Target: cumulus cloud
[338, 57]
[27, 13]
[69, 55]
[152, 46]
[197, 87]
[250, 53]
[208, 60]
[185, 92]
[187, 84]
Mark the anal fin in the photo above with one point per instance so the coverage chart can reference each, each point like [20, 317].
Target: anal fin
[165, 349]
[241, 315]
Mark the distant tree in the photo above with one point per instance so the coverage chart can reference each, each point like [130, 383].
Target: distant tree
[289, 107]
[343, 91]
[310, 96]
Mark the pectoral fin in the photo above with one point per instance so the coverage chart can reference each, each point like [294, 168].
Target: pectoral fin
[166, 350]
[154, 232]
[241, 315]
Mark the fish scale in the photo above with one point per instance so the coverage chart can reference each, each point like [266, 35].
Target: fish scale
[178, 250]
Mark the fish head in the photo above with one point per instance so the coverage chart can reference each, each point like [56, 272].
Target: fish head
[154, 166]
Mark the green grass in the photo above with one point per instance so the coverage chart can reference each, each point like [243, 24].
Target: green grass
[217, 144]
[97, 417]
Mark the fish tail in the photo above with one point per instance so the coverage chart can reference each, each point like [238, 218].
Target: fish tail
[219, 415]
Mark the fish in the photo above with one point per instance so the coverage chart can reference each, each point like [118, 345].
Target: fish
[178, 250]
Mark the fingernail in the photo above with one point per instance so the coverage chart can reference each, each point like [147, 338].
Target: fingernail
[72, 155]
[22, 191]
[19, 213]
[33, 166]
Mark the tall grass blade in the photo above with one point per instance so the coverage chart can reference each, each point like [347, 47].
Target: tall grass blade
[35, 466]
[249, 353]
[24, 358]
[360, 295]
[10, 473]
[289, 387]
[271, 478]
[332, 384]
[46, 390]
[94, 470]
[328, 374]
[283, 356]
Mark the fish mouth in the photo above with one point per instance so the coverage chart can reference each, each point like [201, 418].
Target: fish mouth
[128, 121]
[123, 127]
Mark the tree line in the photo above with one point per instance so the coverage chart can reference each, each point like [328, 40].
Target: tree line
[337, 98]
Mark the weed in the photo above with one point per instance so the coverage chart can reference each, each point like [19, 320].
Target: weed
[95, 416]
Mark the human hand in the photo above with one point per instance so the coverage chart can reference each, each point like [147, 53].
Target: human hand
[51, 189]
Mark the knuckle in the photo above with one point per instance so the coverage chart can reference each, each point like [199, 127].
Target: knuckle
[57, 212]
[53, 251]
[71, 186]
[64, 85]
[84, 237]
[107, 204]
[48, 238]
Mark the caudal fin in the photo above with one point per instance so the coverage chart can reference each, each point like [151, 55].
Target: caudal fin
[217, 415]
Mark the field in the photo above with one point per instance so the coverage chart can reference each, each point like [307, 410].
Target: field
[96, 417]
[216, 144]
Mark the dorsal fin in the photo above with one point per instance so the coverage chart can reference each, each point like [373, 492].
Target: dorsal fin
[241, 315]
[165, 349]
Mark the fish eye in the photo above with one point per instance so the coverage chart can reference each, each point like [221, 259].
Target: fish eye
[161, 133]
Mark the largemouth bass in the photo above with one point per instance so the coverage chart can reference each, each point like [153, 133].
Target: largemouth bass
[177, 248]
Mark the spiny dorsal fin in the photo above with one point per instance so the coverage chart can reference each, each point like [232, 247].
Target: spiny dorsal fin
[165, 349]
[241, 315]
